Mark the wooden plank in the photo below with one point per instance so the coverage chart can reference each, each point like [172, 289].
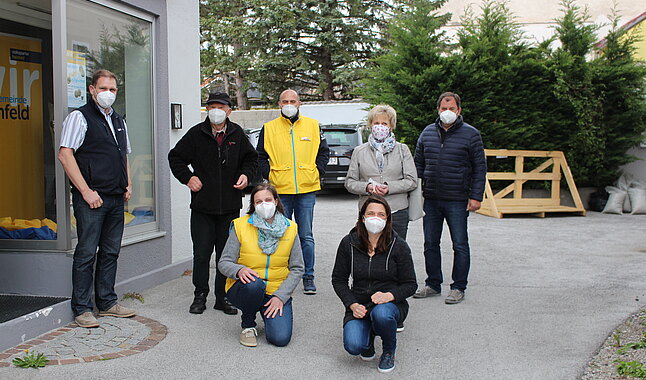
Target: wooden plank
[502, 193]
[501, 176]
[518, 183]
[536, 202]
[571, 185]
[514, 153]
[556, 184]
[492, 204]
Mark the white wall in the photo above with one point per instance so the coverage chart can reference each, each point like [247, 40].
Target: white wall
[184, 65]
[536, 18]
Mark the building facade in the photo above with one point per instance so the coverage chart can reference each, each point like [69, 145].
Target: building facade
[48, 49]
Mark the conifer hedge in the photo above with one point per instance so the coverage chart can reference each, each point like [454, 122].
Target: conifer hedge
[520, 95]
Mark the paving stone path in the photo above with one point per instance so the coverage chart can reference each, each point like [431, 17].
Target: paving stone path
[115, 338]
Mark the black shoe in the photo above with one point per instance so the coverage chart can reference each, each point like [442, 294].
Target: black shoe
[199, 304]
[387, 362]
[308, 285]
[368, 354]
[226, 307]
[400, 326]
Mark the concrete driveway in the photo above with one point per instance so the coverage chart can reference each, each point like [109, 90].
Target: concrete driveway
[543, 295]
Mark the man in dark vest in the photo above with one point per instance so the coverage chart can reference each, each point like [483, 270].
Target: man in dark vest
[94, 153]
[216, 161]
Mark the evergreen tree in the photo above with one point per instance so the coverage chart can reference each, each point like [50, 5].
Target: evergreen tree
[316, 47]
[411, 73]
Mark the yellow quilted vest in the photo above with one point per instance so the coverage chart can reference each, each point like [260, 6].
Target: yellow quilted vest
[292, 150]
[274, 268]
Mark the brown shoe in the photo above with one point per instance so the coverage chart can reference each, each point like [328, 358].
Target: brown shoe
[86, 320]
[117, 311]
[248, 337]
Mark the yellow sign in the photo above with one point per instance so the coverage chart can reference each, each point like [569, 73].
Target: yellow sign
[21, 128]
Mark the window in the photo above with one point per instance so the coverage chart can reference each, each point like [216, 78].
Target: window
[99, 37]
[27, 146]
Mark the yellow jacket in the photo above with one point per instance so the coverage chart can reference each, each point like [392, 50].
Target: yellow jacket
[274, 268]
[292, 150]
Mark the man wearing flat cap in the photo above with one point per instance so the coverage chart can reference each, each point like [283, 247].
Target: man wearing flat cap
[215, 160]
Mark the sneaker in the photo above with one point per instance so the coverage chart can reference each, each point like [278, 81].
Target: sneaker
[86, 320]
[199, 304]
[248, 337]
[308, 285]
[455, 296]
[387, 362]
[426, 291]
[368, 354]
[400, 326]
[117, 311]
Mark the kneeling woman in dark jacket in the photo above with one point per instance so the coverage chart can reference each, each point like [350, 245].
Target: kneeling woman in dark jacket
[373, 275]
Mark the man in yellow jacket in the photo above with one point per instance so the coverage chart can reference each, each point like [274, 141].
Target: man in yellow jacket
[293, 155]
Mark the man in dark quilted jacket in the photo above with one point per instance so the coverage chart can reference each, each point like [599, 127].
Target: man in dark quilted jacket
[450, 159]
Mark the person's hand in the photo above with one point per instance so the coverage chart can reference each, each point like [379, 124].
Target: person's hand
[473, 205]
[242, 182]
[128, 194]
[247, 275]
[194, 184]
[274, 306]
[381, 190]
[92, 198]
[358, 310]
[379, 298]
[370, 188]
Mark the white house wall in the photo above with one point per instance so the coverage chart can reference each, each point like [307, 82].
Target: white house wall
[184, 79]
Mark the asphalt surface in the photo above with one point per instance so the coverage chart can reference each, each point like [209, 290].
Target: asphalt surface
[543, 296]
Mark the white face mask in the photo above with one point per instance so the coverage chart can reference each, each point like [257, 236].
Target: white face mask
[217, 116]
[289, 110]
[374, 224]
[105, 99]
[266, 210]
[448, 117]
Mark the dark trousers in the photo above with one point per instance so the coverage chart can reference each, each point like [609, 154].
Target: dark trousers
[400, 222]
[208, 232]
[455, 213]
[101, 228]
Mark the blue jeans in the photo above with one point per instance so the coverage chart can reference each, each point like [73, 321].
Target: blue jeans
[400, 222]
[100, 228]
[250, 299]
[302, 206]
[456, 214]
[359, 334]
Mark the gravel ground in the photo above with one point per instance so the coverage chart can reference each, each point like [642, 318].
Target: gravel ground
[603, 366]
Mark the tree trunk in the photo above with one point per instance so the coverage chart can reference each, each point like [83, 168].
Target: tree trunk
[241, 94]
[326, 73]
[225, 78]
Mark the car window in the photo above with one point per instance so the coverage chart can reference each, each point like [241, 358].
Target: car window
[341, 137]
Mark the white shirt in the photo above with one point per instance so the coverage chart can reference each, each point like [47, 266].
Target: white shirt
[75, 127]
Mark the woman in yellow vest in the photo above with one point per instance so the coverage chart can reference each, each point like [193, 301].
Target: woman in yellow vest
[263, 263]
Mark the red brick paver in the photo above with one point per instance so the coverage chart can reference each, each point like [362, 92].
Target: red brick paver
[156, 335]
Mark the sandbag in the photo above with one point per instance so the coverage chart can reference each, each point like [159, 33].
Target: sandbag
[616, 200]
[637, 195]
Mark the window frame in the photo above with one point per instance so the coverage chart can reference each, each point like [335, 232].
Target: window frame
[134, 234]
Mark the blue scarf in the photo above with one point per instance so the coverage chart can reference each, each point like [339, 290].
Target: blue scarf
[382, 148]
[269, 234]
